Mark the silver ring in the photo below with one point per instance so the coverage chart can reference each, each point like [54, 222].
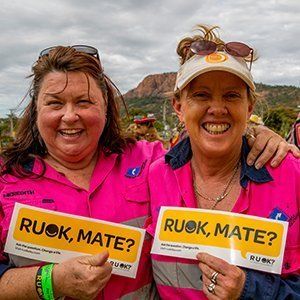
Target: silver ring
[214, 276]
[250, 135]
[211, 288]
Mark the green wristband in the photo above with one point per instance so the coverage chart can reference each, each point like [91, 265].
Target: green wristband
[47, 282]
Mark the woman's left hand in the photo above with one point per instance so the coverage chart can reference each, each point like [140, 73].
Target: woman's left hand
[266, 144]
[229, 281]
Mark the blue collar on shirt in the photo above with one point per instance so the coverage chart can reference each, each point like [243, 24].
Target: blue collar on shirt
[181, 154]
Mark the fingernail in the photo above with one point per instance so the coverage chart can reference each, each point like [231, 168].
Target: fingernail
[257, 166]
[273, 163]
[250, 162]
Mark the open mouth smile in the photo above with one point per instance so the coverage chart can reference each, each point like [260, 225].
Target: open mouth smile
[70, 132]
[215, 129]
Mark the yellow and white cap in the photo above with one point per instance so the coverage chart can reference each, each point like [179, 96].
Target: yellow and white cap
[217, 61]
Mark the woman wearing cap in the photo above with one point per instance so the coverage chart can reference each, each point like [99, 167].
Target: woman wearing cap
[71, 156]
[214, 98]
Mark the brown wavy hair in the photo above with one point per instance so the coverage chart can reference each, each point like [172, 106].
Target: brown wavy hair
[208, 33]
[29, 143]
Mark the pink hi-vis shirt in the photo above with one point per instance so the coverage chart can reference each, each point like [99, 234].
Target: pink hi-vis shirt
[178, 278]
[118, 193]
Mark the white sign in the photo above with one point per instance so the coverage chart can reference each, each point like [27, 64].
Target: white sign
[243, 240]
[51, 236]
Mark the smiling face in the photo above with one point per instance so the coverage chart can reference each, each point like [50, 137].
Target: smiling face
[51, 230]
[214, 108]
[70, 118]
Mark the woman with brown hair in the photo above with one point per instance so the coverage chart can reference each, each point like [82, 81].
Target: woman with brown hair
[71, 156]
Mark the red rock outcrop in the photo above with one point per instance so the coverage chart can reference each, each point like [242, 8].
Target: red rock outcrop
[153, 86]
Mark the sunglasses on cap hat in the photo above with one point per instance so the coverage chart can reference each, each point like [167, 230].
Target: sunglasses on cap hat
[80, 48]
[238, 49]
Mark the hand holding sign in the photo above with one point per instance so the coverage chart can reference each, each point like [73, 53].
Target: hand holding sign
[51, 236]
[242, 240]
[82, 277]
[230, 280]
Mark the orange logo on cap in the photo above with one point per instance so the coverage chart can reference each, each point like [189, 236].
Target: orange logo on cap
[216, 58]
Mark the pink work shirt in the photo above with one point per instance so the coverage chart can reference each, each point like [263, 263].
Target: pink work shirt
[118, 193]
[178, 278]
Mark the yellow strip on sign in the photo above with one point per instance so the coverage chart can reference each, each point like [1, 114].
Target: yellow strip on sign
[74, 234]
[222, 230]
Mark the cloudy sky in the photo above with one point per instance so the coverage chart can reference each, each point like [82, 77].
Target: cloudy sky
[136, 38]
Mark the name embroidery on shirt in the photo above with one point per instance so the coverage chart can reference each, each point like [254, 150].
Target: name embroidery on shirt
[293, 219]
[46, 200]
[18, 193]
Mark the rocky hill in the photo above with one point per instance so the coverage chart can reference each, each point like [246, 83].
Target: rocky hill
[153, 86]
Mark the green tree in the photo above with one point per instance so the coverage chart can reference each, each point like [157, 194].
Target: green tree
[280, 119]
[5, 136]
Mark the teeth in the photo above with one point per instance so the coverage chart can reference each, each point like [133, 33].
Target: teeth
[70, 131]
[216, 128]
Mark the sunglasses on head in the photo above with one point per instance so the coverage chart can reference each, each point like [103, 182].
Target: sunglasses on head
[238, 49]
[80, 48]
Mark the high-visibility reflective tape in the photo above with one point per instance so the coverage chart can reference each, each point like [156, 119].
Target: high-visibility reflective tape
[140, 223]
[148, 292]
[136, 222]
[175, 274]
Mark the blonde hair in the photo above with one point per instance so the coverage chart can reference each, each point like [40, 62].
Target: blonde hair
[207, 33]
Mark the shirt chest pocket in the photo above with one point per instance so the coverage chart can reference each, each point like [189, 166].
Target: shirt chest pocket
[137, 193]
[137, 201]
